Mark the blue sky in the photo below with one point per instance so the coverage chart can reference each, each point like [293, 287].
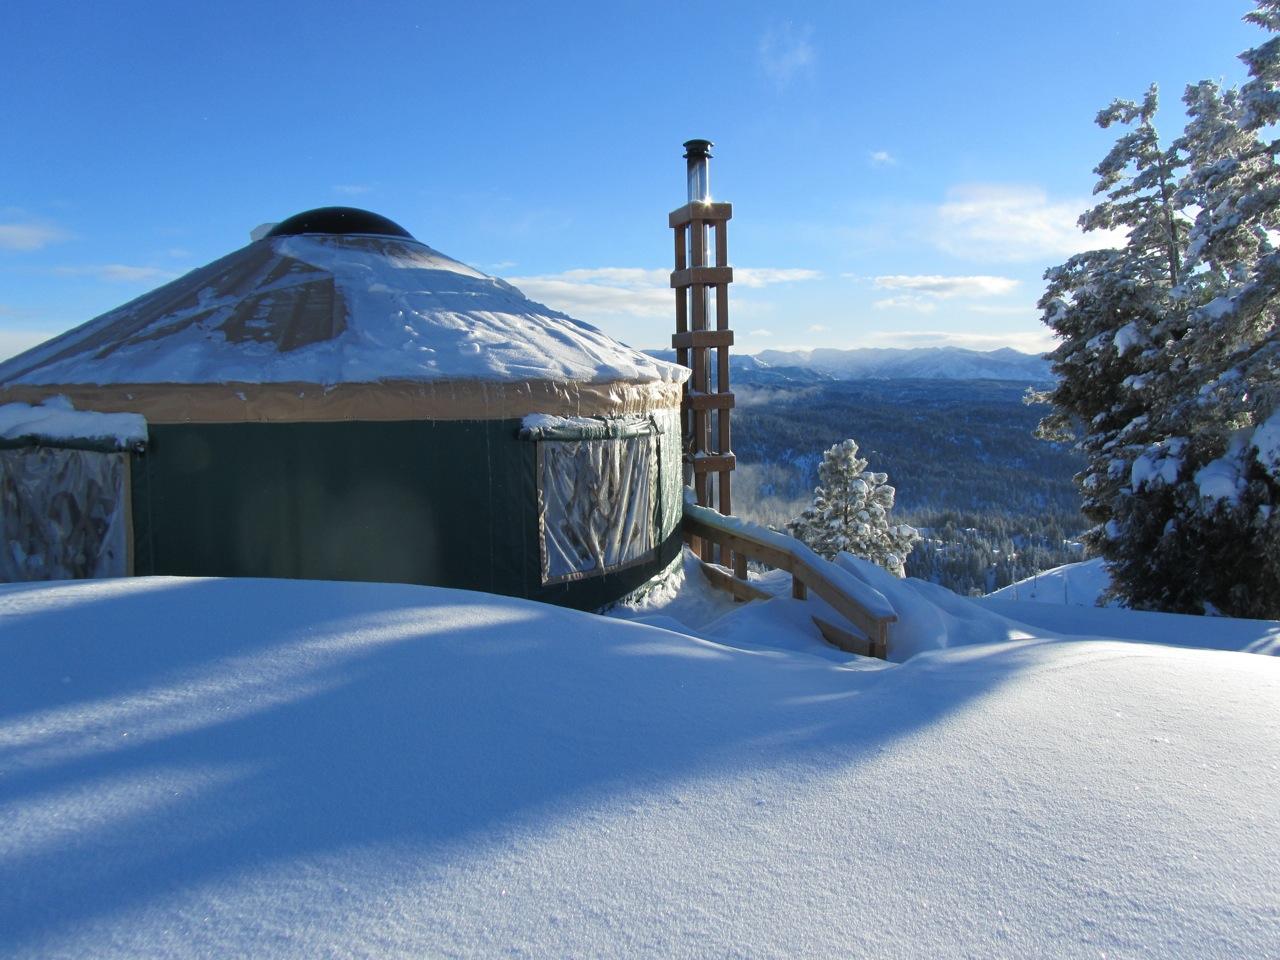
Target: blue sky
[901, 174]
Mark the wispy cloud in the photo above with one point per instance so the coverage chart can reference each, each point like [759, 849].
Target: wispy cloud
[30, 236]
[882, 158]
[915, 303]
[755, 277]
[920, 293]
[945, 288]
[605, 291]
[352, 189]
[635, 278]
[634, 291]
[1002, 222]
[818, 328]
[118, 273]
[786, 53]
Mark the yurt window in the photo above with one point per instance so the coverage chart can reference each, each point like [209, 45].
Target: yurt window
[64, 492]
[597, 493]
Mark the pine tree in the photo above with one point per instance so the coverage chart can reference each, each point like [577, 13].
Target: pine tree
[1170, 363]
[1227, 532]
[1113, 308]
[850, 512]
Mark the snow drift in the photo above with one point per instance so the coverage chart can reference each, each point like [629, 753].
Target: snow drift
[270, 768]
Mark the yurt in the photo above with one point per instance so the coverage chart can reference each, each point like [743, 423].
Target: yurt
[337, 400]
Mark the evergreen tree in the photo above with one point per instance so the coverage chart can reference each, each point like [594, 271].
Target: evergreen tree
[850, 512]
[1170, 361]
[1113, 308]
[1226, 533]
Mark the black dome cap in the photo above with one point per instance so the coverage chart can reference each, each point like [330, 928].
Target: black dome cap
[338, 220]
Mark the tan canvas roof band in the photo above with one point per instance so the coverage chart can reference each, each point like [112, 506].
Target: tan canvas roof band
[385, 400]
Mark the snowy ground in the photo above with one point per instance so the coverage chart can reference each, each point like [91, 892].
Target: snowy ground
[267, 768]
[1072, 584]
[1063, 601]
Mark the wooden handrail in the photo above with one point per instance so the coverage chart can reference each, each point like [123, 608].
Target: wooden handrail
[861, 604]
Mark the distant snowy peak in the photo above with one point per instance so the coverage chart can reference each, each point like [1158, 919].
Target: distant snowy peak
[885, 363]
[923, 363]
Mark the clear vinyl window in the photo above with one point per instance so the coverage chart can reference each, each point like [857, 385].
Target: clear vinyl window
[63, 514]
[596, 504]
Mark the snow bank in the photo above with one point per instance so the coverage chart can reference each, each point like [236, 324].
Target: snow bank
[930, 617]
[685, 601]
[299, 769]
[859, 589]
[57, 421]
[1138, 626]
[1074, 584]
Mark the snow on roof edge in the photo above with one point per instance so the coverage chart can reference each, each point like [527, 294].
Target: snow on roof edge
[57, 421]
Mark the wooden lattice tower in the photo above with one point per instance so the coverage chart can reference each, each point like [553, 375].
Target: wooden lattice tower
[700, 227]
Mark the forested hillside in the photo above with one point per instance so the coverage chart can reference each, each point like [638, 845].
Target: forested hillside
[993, 503]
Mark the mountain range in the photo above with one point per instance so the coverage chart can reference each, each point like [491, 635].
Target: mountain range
[886, 363]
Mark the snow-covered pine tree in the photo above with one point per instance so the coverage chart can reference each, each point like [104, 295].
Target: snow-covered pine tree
[1227, 530]
[1185, 491]
[1113, 309]
[850, 512]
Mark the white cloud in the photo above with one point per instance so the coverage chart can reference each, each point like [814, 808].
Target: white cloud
[786, 53]
[1002, 222]
[634, 291]
[29, 236]
[587, 300]
[945, 288]
[765, 276]
[635, 278]
[118, 273]
[818, 328]
[912, 302]
[606, 291]
[760, 333]
[921, 293]
[882, 158]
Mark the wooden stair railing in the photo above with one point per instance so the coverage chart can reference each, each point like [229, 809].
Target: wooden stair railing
[859, 603]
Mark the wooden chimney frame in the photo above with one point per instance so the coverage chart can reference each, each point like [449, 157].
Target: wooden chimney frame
[707, 402]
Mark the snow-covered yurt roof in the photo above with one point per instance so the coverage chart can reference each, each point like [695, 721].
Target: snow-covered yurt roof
[339, 314]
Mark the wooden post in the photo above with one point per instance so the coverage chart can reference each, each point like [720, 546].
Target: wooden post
[705, 409]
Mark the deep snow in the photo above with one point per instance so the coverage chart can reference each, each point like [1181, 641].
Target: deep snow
[1072, 584]
[1064, 601]
[268, 768]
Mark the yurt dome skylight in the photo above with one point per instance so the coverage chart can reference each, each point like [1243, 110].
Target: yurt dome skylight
[339, 221]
